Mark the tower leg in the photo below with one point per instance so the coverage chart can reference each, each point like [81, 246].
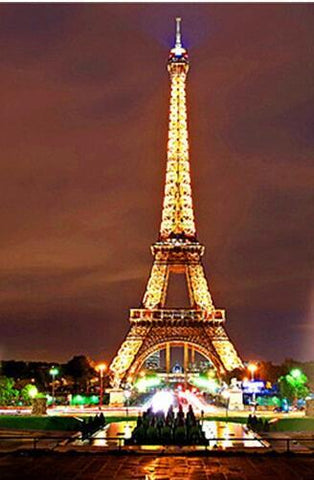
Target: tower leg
[185, 362]
[167, 358]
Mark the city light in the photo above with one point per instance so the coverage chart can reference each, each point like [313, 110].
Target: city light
[149, 382]
[54, 371]
[101, 368]
[33, 391]
[162, 401]
[208, 384]
[252, 367]
[296, 373]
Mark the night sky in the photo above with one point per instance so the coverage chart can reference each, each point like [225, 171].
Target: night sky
[84, 105]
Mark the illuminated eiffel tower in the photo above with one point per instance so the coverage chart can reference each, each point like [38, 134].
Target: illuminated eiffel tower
[199, 328]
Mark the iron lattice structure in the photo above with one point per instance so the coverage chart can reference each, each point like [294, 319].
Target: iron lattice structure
[153, 326]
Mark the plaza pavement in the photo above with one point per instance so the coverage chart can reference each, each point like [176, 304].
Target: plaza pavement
[56, 466]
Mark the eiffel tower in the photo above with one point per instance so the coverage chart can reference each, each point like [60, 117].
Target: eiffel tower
[154, 327]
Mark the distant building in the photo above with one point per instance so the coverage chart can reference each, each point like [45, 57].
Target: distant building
[153, 362]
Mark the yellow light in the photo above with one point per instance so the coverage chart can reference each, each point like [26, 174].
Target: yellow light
[252, 367]
[177, 213]
[101, 367]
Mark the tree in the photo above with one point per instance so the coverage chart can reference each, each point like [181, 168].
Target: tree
[8, 394]
[81, 370]
[293, 385]
[237, 373]
[269, 372]
[14, 369]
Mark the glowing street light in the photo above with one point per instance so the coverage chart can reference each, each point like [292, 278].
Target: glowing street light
[252, 368]
[162, 401]
[296, 373]
[101, 368]
[53, 372]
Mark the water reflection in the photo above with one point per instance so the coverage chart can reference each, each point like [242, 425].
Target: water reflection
[108, 436]
[232, 434]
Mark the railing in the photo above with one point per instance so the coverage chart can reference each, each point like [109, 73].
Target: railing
[35, 441]
[159, 315]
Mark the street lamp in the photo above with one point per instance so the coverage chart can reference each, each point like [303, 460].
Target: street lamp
[296, 373]
[53, 372]
[127, 394]
[101, 368]
[252, 368]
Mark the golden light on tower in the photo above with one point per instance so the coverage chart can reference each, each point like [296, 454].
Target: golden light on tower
[154, 326]
[177, 213]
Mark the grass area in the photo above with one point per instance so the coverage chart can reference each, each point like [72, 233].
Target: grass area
[120, 419]
[44, 423]
[305, 424]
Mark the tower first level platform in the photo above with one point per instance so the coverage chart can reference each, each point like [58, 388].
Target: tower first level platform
[200, 327]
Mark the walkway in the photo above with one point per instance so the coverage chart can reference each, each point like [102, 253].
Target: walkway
[109, 467]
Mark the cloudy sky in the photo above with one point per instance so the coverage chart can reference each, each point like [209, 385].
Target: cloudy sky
[84, 104]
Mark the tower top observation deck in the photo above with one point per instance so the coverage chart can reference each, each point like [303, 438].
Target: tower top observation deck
[178, 54]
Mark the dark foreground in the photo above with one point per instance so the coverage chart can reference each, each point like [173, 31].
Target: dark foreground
[150, 467]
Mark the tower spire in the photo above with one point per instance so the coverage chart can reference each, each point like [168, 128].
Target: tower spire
[178, 33]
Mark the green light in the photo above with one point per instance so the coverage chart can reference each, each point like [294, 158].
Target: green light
[78, 400]
[32, 391]
[144, 383]
[205, 383]
[54, 371]
[84, 400]
[296, 373]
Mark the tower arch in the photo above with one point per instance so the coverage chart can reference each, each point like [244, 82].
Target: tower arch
[143, 356]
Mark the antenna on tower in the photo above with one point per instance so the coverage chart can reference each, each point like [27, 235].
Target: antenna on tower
[178, 33]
